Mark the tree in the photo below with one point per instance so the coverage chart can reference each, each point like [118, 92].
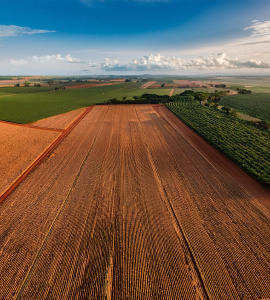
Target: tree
[226, 109]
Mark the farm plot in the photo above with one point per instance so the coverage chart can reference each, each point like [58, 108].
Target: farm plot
[19, 147]
[147, 84]
[61, 121]
[127, 208]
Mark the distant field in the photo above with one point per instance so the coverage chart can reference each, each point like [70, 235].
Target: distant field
[31, 107]
[255, 105]
[179, 91]
[24, 89]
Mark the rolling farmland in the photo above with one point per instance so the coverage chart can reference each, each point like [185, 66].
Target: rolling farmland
[31, 107]
[134, 205]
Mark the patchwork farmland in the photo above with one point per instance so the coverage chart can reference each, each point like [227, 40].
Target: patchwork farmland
[132, 204]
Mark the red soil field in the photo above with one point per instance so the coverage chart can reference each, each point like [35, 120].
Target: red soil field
[201, 84]
[134, 205]
[19, 147]
[61, 121]
[118, 80]
[147, 84]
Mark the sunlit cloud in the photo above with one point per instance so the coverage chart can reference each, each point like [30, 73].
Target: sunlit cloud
[56, 58]
[259, 28]
[45, 60]
[158, 63]
[19, 62]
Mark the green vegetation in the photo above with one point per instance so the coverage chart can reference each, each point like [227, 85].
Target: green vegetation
[24, 89]
[246, 145]
[152, 98]
[149, 98]
[203, 96]
[255, 105]
[27, 108]
[143, 99]
[243, 91]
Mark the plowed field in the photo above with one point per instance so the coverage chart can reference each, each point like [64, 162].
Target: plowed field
[134, 205]
[61, 121]
[19, 147]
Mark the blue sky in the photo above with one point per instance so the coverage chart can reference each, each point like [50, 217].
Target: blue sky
[77, 37]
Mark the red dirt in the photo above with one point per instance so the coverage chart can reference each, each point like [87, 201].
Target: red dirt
[147, 84]
[201, 84]
[134, 205]
[171, 93]
[61, 121]
[38, 160]
[19, 147]
[214, 156]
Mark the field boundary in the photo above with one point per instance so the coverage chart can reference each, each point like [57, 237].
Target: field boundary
[32, 126]
[45, 154]
[214, 156]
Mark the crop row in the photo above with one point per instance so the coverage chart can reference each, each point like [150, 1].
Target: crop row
[246, 145]
[255, 105]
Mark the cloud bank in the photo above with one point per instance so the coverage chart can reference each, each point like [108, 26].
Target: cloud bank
[55, 58]
[259, 28]
[45, 59]
[12, 30]
[160, 63]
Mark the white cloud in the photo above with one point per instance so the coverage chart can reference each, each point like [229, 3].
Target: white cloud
[19, 62]
[158, 63]
[47, 60]
[56, 58]
[94, 65]
[259, 28]
[12, 30]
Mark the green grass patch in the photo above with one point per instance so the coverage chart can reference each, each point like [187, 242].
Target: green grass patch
[25, 89]
[255, 105]
[246, 145]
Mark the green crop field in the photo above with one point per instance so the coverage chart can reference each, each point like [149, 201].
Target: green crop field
[30, 107]
[255, 105]
[3, 94]
[24, 89]
[246, 145]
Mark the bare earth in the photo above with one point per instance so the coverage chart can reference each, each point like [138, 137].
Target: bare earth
[147, 84]
[134, 205]
[171, 93]
[19, 147]
[61, 121]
